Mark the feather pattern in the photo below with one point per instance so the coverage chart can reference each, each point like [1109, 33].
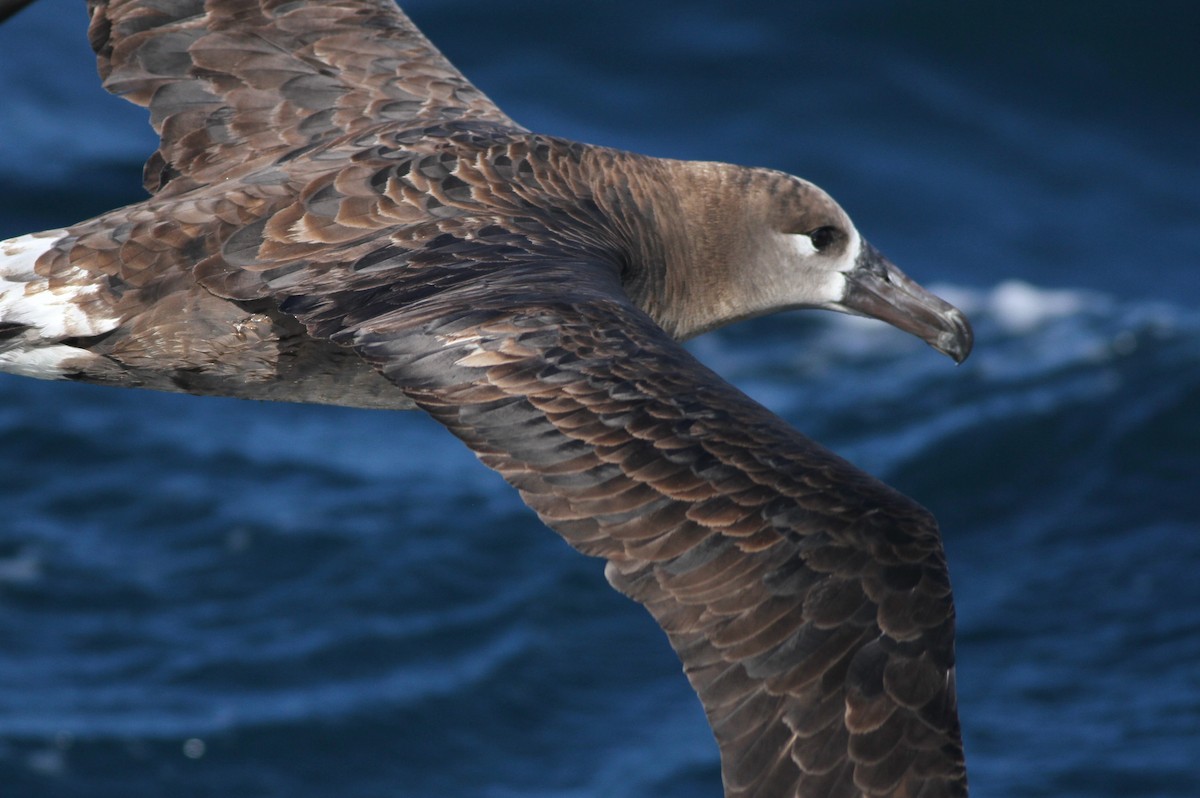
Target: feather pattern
[339, 216]
[226, 78]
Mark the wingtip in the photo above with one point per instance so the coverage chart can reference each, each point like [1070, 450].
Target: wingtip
[10, 7]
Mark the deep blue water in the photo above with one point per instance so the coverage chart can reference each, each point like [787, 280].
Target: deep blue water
[210, 597]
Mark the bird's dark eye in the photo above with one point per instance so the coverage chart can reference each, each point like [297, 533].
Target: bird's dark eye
[822, 237]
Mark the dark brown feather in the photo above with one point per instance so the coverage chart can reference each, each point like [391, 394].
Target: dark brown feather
[336, 202]
[784, 627]
[225, 78]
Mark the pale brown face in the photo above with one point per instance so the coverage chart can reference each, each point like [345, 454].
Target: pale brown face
[822, 261]
[798, 207]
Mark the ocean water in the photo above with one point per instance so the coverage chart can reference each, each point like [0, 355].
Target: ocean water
[207, 597]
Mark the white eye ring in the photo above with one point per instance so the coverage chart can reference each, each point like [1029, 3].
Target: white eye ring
[802, 244]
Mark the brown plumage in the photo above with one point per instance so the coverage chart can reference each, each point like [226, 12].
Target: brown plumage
[339, 216]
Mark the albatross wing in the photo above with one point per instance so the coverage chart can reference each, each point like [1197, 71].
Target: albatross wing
[228, 81]
[809, 603]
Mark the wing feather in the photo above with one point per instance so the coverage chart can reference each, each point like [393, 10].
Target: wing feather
[809, 603]
[228, 81]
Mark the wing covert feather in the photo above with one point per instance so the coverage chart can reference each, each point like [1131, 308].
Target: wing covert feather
[231, 81]
[809, 603]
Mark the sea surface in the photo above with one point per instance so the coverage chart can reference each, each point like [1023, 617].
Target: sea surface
[205, 597]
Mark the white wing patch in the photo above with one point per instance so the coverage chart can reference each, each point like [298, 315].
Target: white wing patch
[46, 361]
[27, 298]
[50, 313]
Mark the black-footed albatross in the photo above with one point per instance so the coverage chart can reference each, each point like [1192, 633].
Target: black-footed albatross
[337, 215]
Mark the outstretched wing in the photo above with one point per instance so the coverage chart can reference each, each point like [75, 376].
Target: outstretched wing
[231, 81]
[10, 7]
[809, 603]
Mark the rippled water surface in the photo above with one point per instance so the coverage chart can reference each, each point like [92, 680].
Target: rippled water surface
[211, 597]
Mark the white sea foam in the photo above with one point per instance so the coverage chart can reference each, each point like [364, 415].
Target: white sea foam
[1008, 311]
[1019, 307]
[1036, 349]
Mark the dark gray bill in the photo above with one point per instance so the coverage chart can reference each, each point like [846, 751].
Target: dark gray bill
[876, 288]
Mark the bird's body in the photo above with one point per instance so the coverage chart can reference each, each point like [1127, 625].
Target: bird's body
[338, 216]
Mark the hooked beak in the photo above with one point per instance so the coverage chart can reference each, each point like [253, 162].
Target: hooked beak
[876, 288]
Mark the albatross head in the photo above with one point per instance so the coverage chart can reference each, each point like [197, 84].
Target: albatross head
[779, 242]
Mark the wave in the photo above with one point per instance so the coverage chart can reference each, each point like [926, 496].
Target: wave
[183, 568]
[882, 397]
